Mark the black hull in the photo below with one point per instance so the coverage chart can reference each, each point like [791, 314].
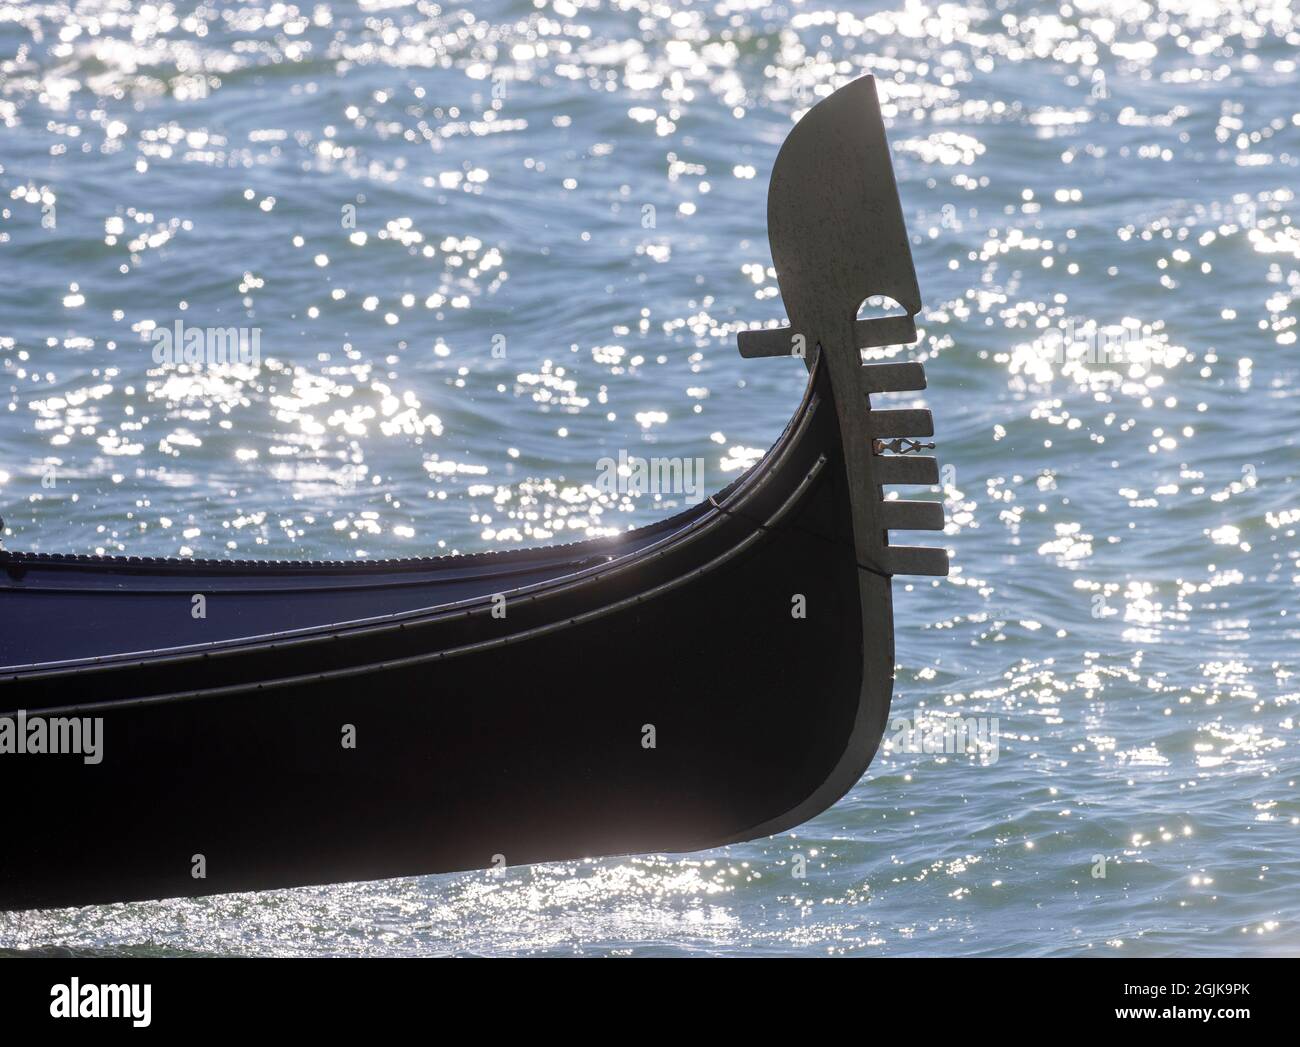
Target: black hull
[481, 740]
[717, 677]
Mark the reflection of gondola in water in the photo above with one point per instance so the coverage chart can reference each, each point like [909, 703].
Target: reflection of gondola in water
[716, 677]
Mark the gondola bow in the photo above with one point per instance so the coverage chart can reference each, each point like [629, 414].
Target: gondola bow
[712, 678]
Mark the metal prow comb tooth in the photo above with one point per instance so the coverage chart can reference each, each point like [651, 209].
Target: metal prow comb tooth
[916, 559]
[900, 421]
[907, 469]
[913, 516]
[836, 229]
[892, 378]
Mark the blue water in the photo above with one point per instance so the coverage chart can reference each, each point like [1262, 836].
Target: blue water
[438, 219]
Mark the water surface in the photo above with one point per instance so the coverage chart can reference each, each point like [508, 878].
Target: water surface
[486, 245]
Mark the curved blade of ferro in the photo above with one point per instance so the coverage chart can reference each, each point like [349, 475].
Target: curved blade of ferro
[837, 235]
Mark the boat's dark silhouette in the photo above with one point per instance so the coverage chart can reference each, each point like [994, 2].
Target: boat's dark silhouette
[716, 677]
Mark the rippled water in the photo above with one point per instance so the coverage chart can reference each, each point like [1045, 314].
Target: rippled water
[485, 246]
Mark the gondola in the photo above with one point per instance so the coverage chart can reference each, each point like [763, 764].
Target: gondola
[715, 677]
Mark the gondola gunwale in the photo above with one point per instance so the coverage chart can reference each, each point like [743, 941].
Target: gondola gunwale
[717, 514]
[19, 560]
[251, 575]
[235, 690]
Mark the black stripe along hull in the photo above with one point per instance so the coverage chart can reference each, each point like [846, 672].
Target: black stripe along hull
[482, 740]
